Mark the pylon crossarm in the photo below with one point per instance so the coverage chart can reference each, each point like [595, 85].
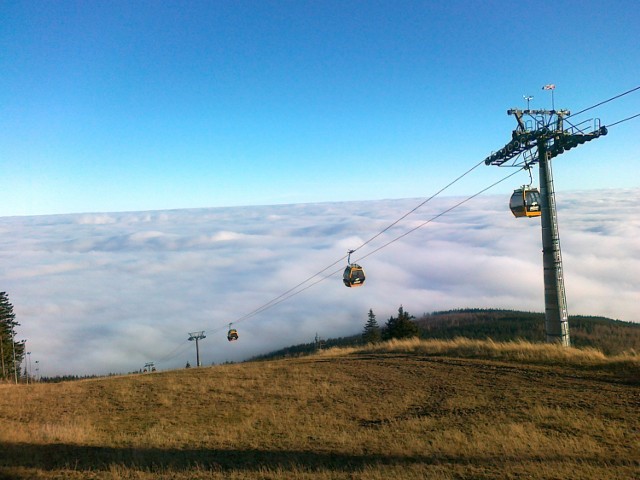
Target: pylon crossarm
[556, 138]
[566, 141]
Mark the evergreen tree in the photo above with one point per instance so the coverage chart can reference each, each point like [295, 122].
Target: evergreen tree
[371, 332]
[401, 326]
[9, 363]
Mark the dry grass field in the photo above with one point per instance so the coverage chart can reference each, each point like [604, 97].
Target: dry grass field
[409, 410]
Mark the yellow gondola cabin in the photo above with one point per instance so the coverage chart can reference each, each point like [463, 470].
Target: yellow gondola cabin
[525, 202]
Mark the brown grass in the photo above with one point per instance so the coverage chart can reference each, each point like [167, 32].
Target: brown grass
[514, 351]
[413, 409]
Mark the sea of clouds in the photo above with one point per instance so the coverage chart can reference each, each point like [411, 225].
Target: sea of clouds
[109, 292]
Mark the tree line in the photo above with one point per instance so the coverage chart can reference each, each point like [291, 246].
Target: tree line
[401, 326]
[11, 352]
[612, 337]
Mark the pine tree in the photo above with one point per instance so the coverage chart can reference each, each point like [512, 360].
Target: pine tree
[371, 332]
[9, 362]
[401, 326]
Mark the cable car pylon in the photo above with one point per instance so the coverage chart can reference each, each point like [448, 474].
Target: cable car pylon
[540, 136]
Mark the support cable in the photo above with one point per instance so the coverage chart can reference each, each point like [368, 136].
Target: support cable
[605, 101]
[283, 298]
[276, 301]
[441, 214]
[418, 206]
[180, 349]
[623, 120]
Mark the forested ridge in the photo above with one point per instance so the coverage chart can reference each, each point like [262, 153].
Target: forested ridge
[612, 337]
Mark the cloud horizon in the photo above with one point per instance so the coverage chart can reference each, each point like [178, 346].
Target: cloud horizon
[99, 293]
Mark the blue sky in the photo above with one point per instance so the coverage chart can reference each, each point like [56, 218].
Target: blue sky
[128, 106]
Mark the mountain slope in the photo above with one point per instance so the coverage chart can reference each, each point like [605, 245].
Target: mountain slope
[612, 337]
[392, 413]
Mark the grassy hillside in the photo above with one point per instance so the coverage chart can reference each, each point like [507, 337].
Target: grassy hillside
[414, 409]
[612, 337]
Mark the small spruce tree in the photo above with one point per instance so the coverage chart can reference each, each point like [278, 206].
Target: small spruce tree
[371, 332]
[401, 326]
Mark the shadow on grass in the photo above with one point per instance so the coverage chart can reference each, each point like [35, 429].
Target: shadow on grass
[86, 460]
[64, 456]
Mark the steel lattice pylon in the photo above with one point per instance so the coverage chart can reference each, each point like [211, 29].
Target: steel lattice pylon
[540, 136]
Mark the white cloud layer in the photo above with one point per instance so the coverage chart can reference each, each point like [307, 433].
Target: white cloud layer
[99, 293]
